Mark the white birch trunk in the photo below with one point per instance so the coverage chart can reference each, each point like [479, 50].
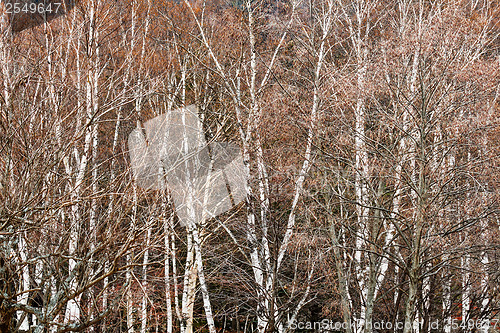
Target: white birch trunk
[485, 302]
[5, 53]
[110, 212]
[361, 192]
[258, 262]
[341, 262]
[203, 285]
[129, 298]
[192, 225]
[369, 269]
[466, 286]
[93, 207]
[145, 263]
[362, 236]
[446, 300]
[188, 293]
[138, 102]
[169, 232]
[73, 306]
[173, 257]
[418, 196]
[25, 281]
[166, 237]
[410, 308]
[299, 184]
[168, 297]
[447, 317]
[485, 231]
[191, 270]
[128, 275]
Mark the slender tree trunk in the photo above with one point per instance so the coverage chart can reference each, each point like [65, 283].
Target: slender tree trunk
[203, 284]
[6, 61]
[145, 263]
[414, 271]
[93, 225]
[168, 296]
[167, 222]
[25, 281]
[173, 256]
[128, 275]
[342, 276]
[466, 286]
[188, 293]
[361, 191]
[446, 299]
[485, 303]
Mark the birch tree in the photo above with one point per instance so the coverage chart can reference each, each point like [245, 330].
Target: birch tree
[263, 269]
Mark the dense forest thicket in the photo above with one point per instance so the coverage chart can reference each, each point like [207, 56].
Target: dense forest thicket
[370, 137]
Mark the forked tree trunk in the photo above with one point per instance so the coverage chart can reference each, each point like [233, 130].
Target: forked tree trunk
[203, 285]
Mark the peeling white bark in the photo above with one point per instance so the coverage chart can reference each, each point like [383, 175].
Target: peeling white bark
[25, 280]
